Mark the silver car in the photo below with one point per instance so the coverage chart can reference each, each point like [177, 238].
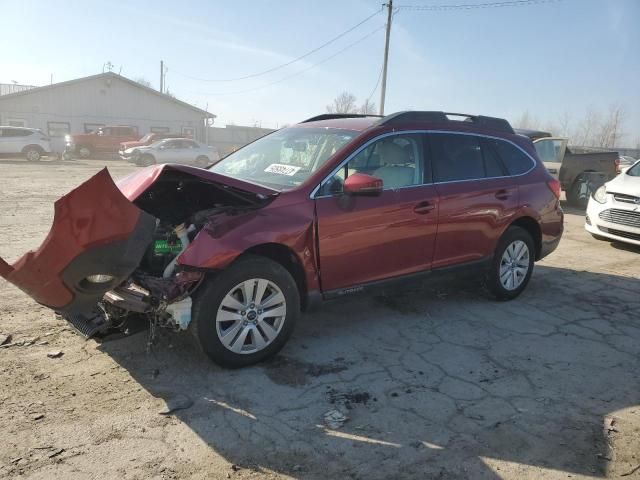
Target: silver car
[174, 150]
[31, 143]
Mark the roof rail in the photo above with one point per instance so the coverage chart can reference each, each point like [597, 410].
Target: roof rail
[493, 123]
[333, 116]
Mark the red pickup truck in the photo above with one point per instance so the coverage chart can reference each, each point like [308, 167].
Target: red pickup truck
[105, 139]
[126, 148]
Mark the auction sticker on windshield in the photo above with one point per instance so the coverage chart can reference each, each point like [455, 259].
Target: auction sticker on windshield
[280, 169]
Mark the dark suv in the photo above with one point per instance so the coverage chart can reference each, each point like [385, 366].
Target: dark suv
[328, 207]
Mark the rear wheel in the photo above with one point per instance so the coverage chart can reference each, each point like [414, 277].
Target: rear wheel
[246, 313]
[32, 154]
[512, 264]
[84, 152]
[579, 193]
[202, 161]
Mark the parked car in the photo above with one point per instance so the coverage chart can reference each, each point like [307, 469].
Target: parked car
[335, 205]
[103, 140]
[31, 143]
[127, 147]
[580, 174]
[613, 213]
[173, 150]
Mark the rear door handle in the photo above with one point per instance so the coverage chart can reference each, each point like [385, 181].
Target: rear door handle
[502, 195]
[423, 207]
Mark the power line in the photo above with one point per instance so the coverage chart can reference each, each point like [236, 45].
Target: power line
[470, 6]
[273, 69]
[376, 87]
[353, 44]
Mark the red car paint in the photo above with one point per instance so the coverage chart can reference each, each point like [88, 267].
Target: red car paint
[94, 214]
[339, 242]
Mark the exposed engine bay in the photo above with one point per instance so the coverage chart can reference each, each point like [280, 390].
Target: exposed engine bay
[159, 290]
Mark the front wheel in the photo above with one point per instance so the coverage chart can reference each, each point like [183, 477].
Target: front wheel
[512, 264]
[146, 160]
[246, 313]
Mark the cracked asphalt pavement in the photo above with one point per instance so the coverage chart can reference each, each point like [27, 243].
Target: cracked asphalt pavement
[429, 381]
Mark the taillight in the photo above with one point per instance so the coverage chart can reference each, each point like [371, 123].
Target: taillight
[554, 186]
[617, 164]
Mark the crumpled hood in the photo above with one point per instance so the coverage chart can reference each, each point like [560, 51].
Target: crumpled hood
[133, 185]
[625, 184]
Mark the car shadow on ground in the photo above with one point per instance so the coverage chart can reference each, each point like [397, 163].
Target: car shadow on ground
[436, 382]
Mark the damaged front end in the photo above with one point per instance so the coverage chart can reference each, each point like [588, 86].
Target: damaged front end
[111, 255]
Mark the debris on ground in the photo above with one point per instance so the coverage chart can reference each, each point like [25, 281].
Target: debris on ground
[335, 419]
[38, 416]
[631, 472]
[55, 354]
[177, 402]
[56, 452]
[5, 338]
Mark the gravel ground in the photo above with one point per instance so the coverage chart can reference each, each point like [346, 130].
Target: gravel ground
[434, 382]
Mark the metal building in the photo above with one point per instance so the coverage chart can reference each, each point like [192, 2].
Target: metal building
[84, 104]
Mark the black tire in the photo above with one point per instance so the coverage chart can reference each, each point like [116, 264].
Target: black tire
[573, 194]
[493, 282]
[32, 153]
[84, 151]
[146, 160]
[210, 295]
[202, 161]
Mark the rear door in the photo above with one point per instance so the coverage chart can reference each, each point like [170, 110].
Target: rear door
[367, 238]
[477, 197]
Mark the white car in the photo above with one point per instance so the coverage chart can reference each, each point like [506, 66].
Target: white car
[28, 142]
[613, 212]
[174, 150]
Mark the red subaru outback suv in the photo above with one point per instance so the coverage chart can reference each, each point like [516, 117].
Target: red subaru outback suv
[331, 206]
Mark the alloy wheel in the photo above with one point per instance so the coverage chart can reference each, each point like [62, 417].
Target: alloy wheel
[514, 265]
[251, 316]
[33, 155]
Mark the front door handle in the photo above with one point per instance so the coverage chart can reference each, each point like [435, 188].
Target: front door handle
[423, 207]
[502, 194]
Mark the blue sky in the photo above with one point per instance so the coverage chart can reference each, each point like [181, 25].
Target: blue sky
[548, 59]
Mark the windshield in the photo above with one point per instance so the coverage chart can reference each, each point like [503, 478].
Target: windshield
[146, 138]
[286, 158]
[635, 170]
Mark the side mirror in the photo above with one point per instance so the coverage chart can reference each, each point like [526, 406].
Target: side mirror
[362, 184]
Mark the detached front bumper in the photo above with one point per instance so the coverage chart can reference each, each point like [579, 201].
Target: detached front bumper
[97, 240]
[614, 220]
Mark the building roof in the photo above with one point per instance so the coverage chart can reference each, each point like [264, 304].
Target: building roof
[110, 75]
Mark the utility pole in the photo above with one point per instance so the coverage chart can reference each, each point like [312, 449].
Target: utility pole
[383, 90]
[161, 76]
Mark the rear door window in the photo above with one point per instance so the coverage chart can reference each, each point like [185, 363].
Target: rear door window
[456, 157]
[516, 161]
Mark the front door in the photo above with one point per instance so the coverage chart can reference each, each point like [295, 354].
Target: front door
[551, 152]
[362, 238]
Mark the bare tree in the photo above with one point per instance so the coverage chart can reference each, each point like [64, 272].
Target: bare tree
[609, 130]
[527, 120]
[143, 81]
[368, 107]
[343, 103]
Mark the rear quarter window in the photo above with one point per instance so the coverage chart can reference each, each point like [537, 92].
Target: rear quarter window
[515, 160]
